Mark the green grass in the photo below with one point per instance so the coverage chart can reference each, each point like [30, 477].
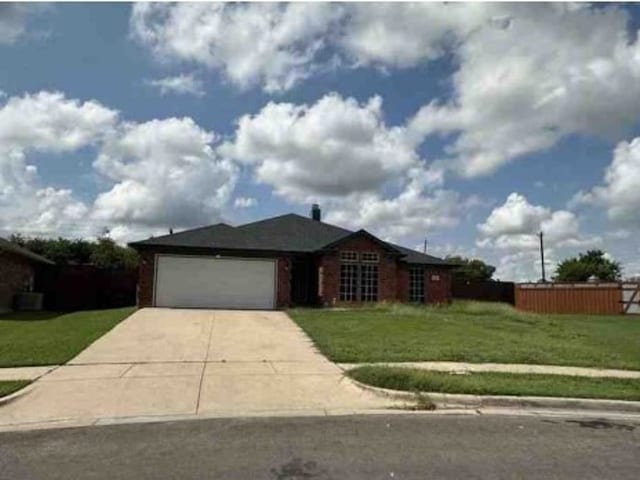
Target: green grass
[46, 338]
[7, 387]
[472, 332]
[485, 383]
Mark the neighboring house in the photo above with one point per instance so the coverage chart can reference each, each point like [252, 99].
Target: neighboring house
[284, 261]
[18, 269]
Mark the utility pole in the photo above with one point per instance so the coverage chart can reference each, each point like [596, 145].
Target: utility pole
[425, 246]
[542, 255]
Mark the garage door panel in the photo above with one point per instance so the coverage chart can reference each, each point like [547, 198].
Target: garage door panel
[208, 282]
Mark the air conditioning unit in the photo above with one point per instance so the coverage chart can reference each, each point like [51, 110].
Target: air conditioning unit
[27, 301]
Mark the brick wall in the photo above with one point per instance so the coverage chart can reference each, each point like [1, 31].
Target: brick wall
[330, 264]
[146, 266]
[402, 283]
[283, 288]
[15, 272]
[438, 285]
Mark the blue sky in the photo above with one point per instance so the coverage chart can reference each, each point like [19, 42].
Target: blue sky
[472, 125]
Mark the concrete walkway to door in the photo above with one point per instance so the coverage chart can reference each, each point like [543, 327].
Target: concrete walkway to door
[176, 363]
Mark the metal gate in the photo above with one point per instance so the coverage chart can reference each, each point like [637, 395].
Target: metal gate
[630, 297]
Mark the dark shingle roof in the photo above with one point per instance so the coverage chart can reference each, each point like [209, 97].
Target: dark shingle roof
[286, 233]
[23, 252]
[413, 256]
[289, 233]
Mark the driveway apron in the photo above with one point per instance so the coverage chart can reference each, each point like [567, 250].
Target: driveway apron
[186, 363]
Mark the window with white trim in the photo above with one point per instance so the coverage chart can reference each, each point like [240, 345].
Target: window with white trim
[416, 284]
[359, 277]
[369, 257]
[348, 256]
[369, 283]
[348, 282]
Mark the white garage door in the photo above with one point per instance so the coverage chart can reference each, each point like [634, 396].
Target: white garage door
[208, 282]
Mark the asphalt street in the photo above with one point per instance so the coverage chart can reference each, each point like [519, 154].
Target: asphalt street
[349, 447]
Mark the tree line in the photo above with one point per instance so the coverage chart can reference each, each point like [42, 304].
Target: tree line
[592, 264]
[103, 252]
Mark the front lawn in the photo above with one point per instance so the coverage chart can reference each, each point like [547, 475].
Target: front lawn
[46, 338]
[472, 332]
[492, 383]
[7, 387]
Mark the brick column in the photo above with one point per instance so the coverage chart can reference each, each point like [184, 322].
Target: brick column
[283, 288]
[146, 268]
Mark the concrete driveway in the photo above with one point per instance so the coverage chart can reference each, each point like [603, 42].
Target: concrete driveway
[186, 363]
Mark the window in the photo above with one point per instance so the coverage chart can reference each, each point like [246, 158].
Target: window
[348, 282]
[348, 256]
[368, 283]
[416, 285]
[359, 276]
[369, 257]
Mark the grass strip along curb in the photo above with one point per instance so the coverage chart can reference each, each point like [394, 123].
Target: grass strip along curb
[492, 383]
[7, 387]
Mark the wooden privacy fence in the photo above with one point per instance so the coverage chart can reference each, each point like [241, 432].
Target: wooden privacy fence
[594, 298]
[86, 287]
[487, 291]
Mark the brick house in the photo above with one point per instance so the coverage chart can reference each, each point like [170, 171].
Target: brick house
[18, 269]
[284, 261]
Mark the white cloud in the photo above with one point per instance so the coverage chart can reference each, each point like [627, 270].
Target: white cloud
[620, 234]
[516, 223]
[409, 215]
[405, 34]
[620, 194]
[332, 148]
[525, 266]
[180, 85]
[448, 249]
[405, 217]
[512, 228]
[45, 122]
[270, 45]
[50, 121]
[166, 174]
[548, 72]
[13, 21]
[515, 216]
[245, 202]
[523, 71]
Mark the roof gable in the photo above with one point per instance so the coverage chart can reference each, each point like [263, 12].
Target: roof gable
[23, 252]
[364, 234]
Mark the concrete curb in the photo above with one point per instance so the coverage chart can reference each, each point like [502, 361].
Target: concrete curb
[467, 367]
[457, 401]
[17, 394]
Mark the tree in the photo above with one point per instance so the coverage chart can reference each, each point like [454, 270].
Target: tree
[585, 265]
[471, 269]
[104, 253]
[108, 254]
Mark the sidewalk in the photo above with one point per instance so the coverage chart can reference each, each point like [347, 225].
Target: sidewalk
[24, 373]
[462, 367]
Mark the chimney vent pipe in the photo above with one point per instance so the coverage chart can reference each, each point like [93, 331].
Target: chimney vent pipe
[316, 213]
